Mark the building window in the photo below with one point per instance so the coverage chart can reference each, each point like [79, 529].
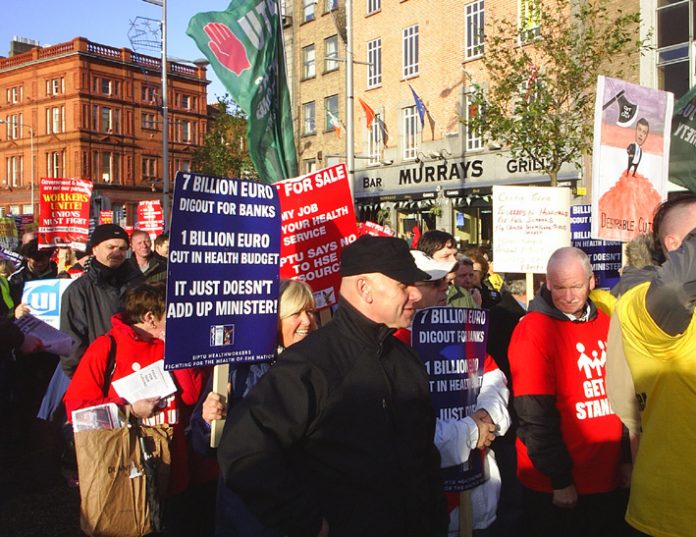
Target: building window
[149, 121]
[309, 165]
[15, 171]
[55, 86]
[309, 67]
[308, 118]
[410, 116]
[55, 120]
[15, 95]
[373, 6]
[530, 19]
[13, 126]
[330, 5]
[110, 167]
[106, 86]
[410, 51]
[331, 53]
[308, 10]
[374, 60]
[149, 168]
[474, 29]
[148, 94]
[185, 102]
[474, 140]
[374, 143]
[105, 119]
[54, 164]
[186, 132]
[674, 45]
[330, 112]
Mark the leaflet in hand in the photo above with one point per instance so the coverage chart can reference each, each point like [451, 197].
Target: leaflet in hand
[148, 382]
[96, 417]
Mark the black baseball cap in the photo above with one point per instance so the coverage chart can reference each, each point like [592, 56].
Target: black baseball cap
[387, 255]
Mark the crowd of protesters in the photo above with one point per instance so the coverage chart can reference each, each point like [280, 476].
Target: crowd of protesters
[338, 436]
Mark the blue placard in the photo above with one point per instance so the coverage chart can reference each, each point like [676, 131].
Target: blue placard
[44, 297]
[605, 256]
[222, 285]
[452, 344]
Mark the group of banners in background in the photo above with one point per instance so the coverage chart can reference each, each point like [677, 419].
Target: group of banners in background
[64, 209]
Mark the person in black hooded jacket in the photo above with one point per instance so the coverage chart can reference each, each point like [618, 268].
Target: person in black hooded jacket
[89, 303]
[337, 438]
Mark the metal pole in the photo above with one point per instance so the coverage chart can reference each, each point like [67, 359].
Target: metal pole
[350, 150]
[165, 122]
[33, 159]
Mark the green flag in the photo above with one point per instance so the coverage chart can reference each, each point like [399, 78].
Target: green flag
[682, 153]
[244, 45]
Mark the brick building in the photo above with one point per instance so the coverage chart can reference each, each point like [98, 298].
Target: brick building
[92, 111]
[316, 72]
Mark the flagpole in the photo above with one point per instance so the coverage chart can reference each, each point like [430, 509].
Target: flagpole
[350, 150]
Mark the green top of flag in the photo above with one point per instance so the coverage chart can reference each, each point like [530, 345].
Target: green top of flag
[245, 49]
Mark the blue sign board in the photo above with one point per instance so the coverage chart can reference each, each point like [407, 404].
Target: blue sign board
[43, 298]
[223, 283]
[605, 256]
[452, 344]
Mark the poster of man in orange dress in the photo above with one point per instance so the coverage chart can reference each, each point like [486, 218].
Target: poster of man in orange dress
[630, 157]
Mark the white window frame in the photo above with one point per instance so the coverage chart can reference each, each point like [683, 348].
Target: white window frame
[149, 170]
[149, 121]
[110, 171]
[309, 62]
[330, 5]
[374, 143]
[373, 6]
[309, 118]
[13, 125]
[529, 24]
[331, 56]
[328, 125]
[409, 48]
[308, 13]
[474, 16]
[186, 132]
[186, 101]
[54, 164]
[410, 123]
[374, 61]
[15, 171]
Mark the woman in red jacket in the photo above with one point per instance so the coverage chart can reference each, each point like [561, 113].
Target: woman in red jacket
[137, 334]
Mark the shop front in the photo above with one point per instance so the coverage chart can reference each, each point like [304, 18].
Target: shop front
[450, 194]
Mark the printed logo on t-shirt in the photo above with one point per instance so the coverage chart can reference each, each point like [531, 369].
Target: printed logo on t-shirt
[592, 362]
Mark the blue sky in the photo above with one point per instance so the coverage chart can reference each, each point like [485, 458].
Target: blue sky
[107, 22]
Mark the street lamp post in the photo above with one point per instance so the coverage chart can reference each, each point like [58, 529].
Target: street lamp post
[33, 156]
[165, 115]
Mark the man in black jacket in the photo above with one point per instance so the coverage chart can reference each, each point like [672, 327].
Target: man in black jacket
[90, 301]
[337, 439]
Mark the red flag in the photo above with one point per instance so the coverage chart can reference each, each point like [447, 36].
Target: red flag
[416, 237]
[369, 112]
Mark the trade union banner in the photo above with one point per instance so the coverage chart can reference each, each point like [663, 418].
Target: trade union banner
[64, 213]
[372, 228]
[44, 298]
[244, 46]
[318, 221]
[223, 284]
[452, 344]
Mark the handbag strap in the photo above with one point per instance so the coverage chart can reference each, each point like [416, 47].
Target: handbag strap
[110, 365]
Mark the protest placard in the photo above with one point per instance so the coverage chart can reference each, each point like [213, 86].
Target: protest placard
[318, 221]
[52, 339]
[14, 257]
[529, 224]
[44, 297]
[106, 217]
[452, 344]
[64, 213]
[605, 256]
[629, 157]
[372, 228]
[150, 218]
[8, 233]
[223, 284]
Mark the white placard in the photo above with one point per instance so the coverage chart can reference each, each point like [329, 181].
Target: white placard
[529, 224]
